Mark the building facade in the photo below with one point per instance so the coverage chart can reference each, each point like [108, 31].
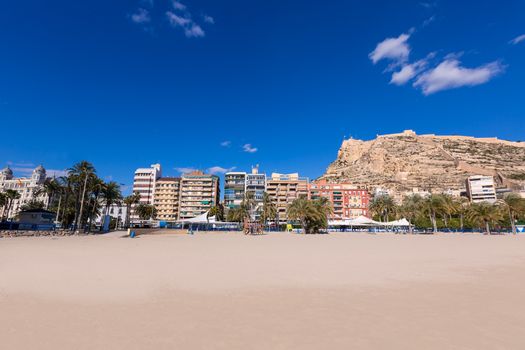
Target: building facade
[199, 192]
[283, 189]
[234, 189]
[118, 212]
[481, 188]
[256, 184]
[348, 201]
[144, 182]
[25, 186]
[167, 198]
[237, 184]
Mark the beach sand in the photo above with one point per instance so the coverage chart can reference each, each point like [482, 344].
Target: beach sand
[277, 291]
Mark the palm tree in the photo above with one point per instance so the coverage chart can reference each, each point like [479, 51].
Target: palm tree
[83, 171]
[485, 213]
[515, 206]
[33, 204]
[448, 207]
[11, 196]
[146, 211]
[3, 203]
[383, 206]
[433, 205]
[217, 211]
[269, 210]
[461, 206]
[411, 208]
[301, 210]
[50, 187]
[111, 194]
[130, 201]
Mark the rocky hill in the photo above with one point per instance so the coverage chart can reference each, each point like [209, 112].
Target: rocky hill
[402, 162]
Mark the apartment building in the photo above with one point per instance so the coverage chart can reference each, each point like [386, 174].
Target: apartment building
[234, 189]
[25, 186]
[256, 184]
[237, 184]
[481, 188]
[144, 183]
[284, 189]
[199, 192]
[348, 201]
[167, 198]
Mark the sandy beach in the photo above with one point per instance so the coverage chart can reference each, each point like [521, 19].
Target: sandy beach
[278, 291]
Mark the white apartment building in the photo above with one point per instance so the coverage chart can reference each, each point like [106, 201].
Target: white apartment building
[144, 183]
[25, 186]
[481, 188]
[237, 184]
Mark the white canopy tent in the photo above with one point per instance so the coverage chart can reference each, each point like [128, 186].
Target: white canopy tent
[363, 221]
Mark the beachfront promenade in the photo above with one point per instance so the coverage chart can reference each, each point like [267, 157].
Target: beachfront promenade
[277, 291]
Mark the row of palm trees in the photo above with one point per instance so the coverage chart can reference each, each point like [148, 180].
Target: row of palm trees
[444, 211]
[311, 215]
[77, 198]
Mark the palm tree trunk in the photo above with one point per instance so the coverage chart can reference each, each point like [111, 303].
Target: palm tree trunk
[512, 223]
[58, 209]
[82, 201]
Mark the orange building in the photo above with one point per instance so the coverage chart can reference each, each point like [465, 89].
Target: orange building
[348, 200]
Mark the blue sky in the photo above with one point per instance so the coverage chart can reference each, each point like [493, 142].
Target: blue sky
[227, 84]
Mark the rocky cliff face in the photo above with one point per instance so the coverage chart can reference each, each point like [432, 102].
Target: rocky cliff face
[402, 162]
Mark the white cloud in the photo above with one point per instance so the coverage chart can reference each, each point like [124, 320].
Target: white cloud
[194, 31]
[428, 5]
[249, 149]
[219, 170]
[141, 16]
[396, 49]
[191, 29]
[428, 21]
[226, 143]
[449, 74]
[177, 5]
[518, 40]
[184, 170]
[409, 71]
[208, 19]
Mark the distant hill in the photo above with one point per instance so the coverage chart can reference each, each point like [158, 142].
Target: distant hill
[401, 162]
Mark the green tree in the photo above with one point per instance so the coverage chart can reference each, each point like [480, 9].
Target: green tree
[146, 211]
[33, 204]
[130, 201]
[433, 206]
[3, 203]
[311, 214]
[217, 211]
[515, 207]
[10, 197]
[82, 172]
[111, 194]
[485, 214]
[411, 208]
[50, 188]
[383, 207]
[269, 210]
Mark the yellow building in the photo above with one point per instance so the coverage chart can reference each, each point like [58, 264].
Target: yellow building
[284, 189]
[167, 198]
